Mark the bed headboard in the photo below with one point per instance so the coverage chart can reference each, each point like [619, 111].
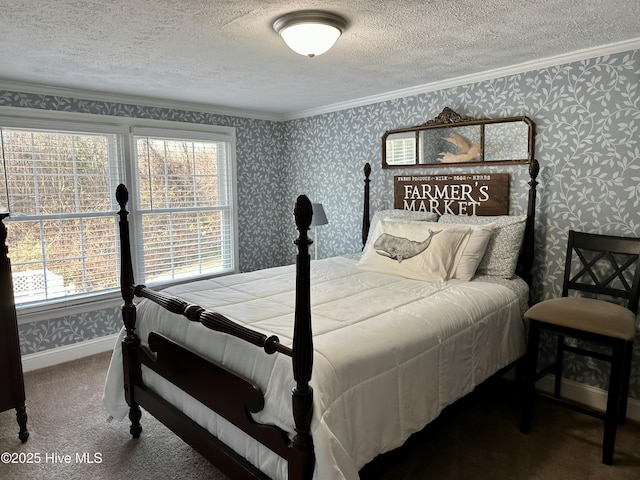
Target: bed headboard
[460, 194]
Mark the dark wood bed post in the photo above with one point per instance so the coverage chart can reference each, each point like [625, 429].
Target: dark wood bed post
[365, 214]
[131, 342]
[302, 394]
[528, 246]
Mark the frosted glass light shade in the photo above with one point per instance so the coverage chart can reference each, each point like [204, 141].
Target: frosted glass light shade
[310, 39]
[310, 32]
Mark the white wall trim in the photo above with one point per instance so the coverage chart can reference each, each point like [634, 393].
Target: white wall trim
[578, 55]
[67, 353]
[586, 394]
[13, 116]
[63, 309]
[38, 89]
[583, 54]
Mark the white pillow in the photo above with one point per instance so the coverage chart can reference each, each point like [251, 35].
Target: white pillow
[473, 251]
[418, 250]
[501, 255]
[398, 214]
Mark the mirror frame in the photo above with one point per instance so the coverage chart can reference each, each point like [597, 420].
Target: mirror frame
[450, 119]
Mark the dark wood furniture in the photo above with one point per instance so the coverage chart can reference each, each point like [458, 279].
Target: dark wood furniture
[600, 322]
[11, 379]
[196, 376]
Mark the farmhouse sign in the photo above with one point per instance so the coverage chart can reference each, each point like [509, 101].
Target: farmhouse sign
[460, 194]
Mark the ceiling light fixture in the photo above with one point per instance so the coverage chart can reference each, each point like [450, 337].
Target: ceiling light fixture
[310, 32]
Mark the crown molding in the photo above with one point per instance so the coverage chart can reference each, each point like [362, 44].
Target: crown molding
[547, 62]
[39, 89]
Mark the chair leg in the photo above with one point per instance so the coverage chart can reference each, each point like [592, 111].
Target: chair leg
[613, 402]
[559, 366]
[530, 370]
[626, 375]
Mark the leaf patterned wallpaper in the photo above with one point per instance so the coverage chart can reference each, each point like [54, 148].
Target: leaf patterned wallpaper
[587, 116]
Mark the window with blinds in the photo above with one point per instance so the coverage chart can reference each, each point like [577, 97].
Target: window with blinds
[62, 237]
[402, 149]
[185, 200]
[58, 185]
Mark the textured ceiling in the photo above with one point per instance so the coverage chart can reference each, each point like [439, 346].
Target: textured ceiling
[224, 53]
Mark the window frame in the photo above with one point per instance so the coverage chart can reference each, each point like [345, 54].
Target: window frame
[124, 128]
[136, 213]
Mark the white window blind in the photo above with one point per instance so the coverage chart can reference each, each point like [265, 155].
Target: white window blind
[401, 149]
[58, 181]
[62, 237]
[184, 204]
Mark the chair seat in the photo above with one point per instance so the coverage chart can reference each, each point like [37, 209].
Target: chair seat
[586, 314]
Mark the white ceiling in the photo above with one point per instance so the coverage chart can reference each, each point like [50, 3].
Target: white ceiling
[224, 53]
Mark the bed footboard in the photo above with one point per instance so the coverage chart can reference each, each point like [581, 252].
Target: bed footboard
[221, 390]
[225, 392]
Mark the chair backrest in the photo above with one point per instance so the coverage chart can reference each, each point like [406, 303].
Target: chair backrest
[606, 265]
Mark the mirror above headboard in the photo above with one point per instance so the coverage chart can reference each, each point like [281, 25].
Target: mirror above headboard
[455, 140]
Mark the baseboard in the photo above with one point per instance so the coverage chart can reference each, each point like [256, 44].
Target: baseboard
[586, 394]
[54, 356]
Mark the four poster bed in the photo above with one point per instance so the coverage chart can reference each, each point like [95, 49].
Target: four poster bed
[238, 369]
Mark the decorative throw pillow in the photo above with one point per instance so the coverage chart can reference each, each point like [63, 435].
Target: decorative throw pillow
[501, 255]
[398, 214]
[418, 250]
[473, 251]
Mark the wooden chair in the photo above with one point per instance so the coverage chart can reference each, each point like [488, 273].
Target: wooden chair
[606, 266]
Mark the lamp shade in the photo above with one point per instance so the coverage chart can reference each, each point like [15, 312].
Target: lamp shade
[319, 217]
[310, 32]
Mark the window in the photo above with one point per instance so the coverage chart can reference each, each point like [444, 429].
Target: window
[59, 181]
[401, 149]
[184, 206]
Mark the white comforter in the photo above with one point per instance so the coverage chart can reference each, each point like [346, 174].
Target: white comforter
[390, 354]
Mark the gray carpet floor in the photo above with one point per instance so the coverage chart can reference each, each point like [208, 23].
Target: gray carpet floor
[476, 438]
